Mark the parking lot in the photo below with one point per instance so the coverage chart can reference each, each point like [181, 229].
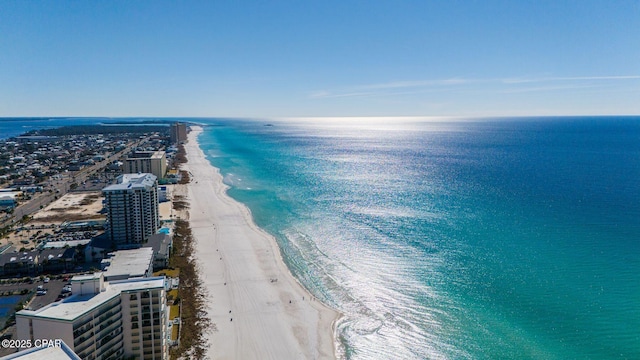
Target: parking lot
[53, 287]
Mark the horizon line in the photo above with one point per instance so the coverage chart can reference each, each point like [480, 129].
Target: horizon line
[306, 116]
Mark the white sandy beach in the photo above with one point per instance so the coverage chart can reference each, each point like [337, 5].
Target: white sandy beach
[255, 317]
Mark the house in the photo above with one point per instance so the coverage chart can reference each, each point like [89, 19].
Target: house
[57, 259]
[8, 199]
[21, 263]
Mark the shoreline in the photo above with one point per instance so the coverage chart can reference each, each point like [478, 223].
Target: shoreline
[257, 307]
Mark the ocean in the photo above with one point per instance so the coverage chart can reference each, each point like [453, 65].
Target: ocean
[452, 238]
[10, 127]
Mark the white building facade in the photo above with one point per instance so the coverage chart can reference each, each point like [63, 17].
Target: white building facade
[132, 209]
[153, 162]
[104, 320]
[145, 324]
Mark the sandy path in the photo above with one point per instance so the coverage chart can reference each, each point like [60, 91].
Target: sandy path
[254, 316]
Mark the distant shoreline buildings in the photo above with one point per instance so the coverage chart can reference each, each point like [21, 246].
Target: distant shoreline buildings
[178, 133]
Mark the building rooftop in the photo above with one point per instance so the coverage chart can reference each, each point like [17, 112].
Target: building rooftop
[156, 282]
[57, 253]
[28, 257]
[86, 277]
[146, 155]
[128, 263]
[72, 307]
[132, 181]
[75, 306]
[160, 243]
[61, 352]
[65, 243]
[10, 195]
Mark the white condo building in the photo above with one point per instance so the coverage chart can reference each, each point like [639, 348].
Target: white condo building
[132, 209]
[104, 320]
[59, 351]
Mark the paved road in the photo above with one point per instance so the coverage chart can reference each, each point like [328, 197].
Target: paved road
[43, 199]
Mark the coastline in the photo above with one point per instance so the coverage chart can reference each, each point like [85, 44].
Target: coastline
[256, 306]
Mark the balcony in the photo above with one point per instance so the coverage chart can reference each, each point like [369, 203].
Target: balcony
[83, 346]
[109, 319]
[108, 324]
[81, 339]
[115, 331]
[110, 346]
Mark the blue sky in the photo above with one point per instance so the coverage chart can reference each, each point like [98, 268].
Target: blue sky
[319, 58]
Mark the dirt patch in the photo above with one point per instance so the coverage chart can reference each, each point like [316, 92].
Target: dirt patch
[90, 199]
[179, 203]
[179, 193]
[72, 207]
[65, 209]
[51, 219]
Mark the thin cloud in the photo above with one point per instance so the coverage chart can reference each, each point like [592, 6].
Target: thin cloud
[396, 88]
[416, 83]
[569, 78]
[390, 88]
[546, 88]
[327, 94]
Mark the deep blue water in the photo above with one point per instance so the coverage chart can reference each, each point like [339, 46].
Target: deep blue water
[10, 127]
[459, 239]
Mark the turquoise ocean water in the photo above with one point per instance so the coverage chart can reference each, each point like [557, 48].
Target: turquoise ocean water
[486, 239]
[452, 239]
